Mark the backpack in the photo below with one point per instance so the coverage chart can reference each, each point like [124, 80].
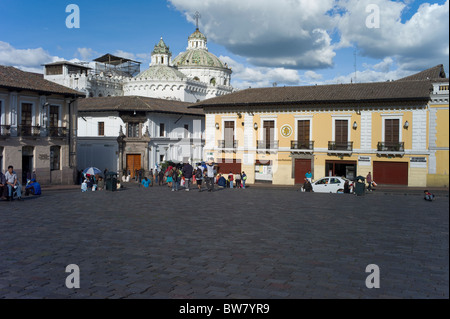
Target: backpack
[198, 174]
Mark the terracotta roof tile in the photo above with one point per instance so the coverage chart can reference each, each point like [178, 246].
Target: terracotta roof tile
[135, 103]
[13, 78]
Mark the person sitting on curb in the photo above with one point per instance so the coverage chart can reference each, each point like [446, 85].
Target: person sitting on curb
[428, 196]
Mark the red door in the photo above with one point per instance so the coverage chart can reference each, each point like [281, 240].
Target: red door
[302, 166]
[227, 166]
[390, 173]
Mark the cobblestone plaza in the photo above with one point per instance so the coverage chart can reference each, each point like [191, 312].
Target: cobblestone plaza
[252, 243]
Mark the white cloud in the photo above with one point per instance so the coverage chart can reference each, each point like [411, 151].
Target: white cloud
[284, 33]
[25, 59]
[418, 43]
[244, 76]
[86, 53]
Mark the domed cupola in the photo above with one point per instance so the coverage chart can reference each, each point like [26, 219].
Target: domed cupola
[161, 54]
[197, 40]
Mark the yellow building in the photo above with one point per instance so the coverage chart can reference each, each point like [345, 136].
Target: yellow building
[278, 134]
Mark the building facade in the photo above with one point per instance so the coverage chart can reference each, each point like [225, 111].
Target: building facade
[38, 127]
[276, 135]
[130, 133]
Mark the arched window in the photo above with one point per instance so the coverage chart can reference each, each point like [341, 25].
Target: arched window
[196, 79]
[100, 95]
[213, 81]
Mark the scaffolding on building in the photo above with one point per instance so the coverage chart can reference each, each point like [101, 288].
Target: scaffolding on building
[110, 65]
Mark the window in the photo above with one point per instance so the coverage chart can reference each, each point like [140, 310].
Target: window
[133, 129]
[269, 133]
[303, 131]
[26, 119]
[443, 88]
[101, 128]
[322, 181]
[162, 130]
[186, 131]
[391, 131]
[341, 132]
[229, 134]
[213, 81]
[161, 158]
[334, 181]
[55, 158]
[54, 116]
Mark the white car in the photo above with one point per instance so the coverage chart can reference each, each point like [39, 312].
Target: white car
[330, 184]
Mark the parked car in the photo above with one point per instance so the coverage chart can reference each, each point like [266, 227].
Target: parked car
[330, 184]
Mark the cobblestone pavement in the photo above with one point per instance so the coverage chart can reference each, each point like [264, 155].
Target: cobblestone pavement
[253, 243]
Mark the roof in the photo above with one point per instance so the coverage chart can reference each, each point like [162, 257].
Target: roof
[67, 63]
[136, 103]
[337, 93]
[197, 58]
[161, 48]
[112, 59]
[433, 73]
[161, 72]
[13, 78]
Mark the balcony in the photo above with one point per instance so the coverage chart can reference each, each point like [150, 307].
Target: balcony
[267, 146]
[340, 148]
[57, 132]
[227, 145]
[5, 131]
[29, 131]
[391, 149]
[302, 146]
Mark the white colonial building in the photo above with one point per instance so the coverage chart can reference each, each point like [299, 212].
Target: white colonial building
[131, 132]
[194, 75]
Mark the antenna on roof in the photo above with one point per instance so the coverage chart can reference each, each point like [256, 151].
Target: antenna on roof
[354, 64]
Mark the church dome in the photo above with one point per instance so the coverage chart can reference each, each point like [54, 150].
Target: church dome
[198, 57]
[161, 72]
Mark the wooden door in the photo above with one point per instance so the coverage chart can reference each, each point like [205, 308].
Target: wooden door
[302, 166]
[303, 132]
[133, 164]
[341, 134]
[229, 134]
[269, 133]
[391, 132]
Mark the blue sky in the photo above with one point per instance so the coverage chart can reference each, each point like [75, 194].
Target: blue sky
[290, 42]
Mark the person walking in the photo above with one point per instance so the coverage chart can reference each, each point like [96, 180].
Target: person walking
[187, 174]
[161, 177]
[244, 178]
[230, 179]
[237, 178]
[175, 179]
[308, 175]
[369, 181]
[199, 176]
[210, 176]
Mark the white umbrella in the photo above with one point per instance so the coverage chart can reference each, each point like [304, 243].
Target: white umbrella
[92, 171]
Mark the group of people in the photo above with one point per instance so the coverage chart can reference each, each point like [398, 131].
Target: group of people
[92, 183]
[9, 183]
[180, 176]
